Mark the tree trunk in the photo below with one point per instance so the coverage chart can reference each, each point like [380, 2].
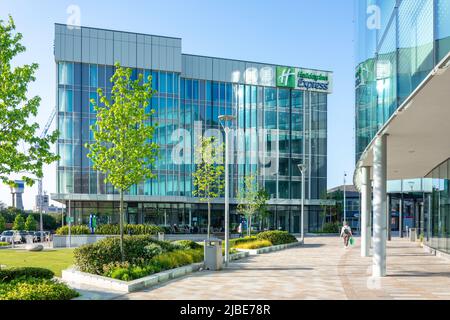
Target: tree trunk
[122, 253]
[249, 227]
[209, 220]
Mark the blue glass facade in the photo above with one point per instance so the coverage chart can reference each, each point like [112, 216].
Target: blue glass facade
[399, 42]
[293, 122]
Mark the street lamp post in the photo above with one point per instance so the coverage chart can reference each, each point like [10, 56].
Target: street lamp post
[302, 169]
[345, 198]
[225, 121]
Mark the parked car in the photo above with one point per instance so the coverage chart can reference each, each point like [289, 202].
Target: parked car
[45, 235]
[20, 236]
[7, 236]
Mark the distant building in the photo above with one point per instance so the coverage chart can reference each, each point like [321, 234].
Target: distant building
[352, 204]
[42, 202]
[16, 194]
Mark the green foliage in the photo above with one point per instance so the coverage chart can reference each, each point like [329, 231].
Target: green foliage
[122, 131]
[238, 241]
[8, 275]
[330, 227]
[2, 223]
[208, 178]
[186, 244]
[36, 289]
[30, 223]
[422, 238]
[122, 149]
[162, 262]
[22, 150]
[133, 229]
[277, 237]
[4, 244]
[19, 223]
[257, 244]
[74, 230]
[248, 200]
[91, 258]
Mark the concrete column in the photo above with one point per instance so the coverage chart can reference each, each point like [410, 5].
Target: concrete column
[388, 218]
[379, 207]
[366, 210]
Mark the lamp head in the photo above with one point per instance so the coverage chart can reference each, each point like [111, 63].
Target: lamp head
[301, 167]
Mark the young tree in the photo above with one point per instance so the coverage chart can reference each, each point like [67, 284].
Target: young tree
[122, 149]
[248, 203]
[19, 223]
[261, 199]
[2, 223]
[21, 149]
[208, 176]
[30, 223]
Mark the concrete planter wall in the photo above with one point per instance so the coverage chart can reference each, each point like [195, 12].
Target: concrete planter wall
[76, 240]
[270, 249]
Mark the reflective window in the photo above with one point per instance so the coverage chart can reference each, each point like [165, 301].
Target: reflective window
[93, 76]
[65, 73]
[65, 98]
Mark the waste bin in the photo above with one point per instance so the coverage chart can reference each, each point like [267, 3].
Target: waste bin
[413, 234]
[213, 255]
[160, 236]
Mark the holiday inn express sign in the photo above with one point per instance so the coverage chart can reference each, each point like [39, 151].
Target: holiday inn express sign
[304, 79]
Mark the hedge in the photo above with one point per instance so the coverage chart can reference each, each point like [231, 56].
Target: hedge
[4, 244]
[74, 230]
[129, 229]
[111, 229]
[8, 275]
[277, 237]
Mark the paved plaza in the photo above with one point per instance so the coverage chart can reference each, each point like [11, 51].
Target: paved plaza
[322, 269]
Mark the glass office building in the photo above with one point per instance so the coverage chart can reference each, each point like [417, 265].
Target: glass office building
[281, 122]
[399, 43]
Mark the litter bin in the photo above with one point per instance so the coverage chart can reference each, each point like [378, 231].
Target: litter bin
[413, 234]
[213, 255]
[160, 236]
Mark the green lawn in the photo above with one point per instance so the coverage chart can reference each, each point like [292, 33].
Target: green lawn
[55, 260]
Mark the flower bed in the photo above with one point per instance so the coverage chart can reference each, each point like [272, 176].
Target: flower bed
[32, 284]
[144, 256]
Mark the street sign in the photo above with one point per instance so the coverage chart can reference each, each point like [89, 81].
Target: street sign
[70, 219]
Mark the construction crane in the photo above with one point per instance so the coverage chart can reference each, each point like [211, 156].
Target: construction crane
[39, 181]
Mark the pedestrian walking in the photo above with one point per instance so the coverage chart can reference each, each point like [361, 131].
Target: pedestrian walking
[346, 233]
[239, 230]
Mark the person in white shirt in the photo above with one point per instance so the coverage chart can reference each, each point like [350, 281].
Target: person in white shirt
[346, 233]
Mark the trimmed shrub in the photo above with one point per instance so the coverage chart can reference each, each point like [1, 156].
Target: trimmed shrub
[128, 229]
[186, 244]
[153, 249]
[330, 227]
[4, 244]
[277, 237]
[74, 230]
[236, 242]
[162, 262]
[257, 244]
[8, 275]
[92, 257]
[35, 289]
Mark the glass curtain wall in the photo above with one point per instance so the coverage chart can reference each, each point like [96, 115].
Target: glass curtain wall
[397, 47]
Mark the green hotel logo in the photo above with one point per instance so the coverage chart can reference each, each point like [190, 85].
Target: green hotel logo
[286, 77]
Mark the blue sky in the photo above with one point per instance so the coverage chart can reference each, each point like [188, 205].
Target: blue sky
[309, 33]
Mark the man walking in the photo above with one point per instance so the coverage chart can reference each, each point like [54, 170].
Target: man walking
[346, 233]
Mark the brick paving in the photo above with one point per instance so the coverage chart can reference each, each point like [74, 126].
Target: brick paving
[322, 269]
